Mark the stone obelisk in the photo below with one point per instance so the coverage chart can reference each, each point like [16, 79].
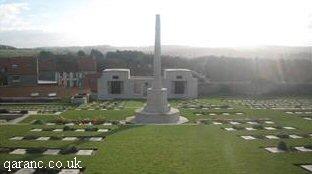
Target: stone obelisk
[157, 109]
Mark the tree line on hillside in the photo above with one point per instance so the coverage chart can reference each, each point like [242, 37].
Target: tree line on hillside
[214, 68]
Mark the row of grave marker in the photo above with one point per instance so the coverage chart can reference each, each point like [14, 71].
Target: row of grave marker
[52, 151]
[251, 128]
[61, 130]
[293, 136]
[46, 138]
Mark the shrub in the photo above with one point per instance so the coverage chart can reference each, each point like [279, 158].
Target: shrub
[238, 127]
[204, 121]
[278, 127]
[5, 150]
[55, 138]
[38, 122]
[4, 111]
[257, 126]
[282, 135]
[305, 135]
[115, 122]
[61, 120]
[48, 129]
[308, 146]
[282, 146]
[91, 128]
[68, 150]
[30, 137]
[47, 170]
[24, 112]
[67, 128]
[224, 106]
[36, 150]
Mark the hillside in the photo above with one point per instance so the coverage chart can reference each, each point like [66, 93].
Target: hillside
[266, 52]
[6, 47]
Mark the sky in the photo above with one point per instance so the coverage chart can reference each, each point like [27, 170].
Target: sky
[204, 23]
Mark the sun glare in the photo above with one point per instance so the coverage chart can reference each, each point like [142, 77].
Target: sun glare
[196, 23]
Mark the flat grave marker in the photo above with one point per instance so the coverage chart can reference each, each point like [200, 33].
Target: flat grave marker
[69, 138]
[51, 152]
[274, 150]
[303, 149]
[69, 171]
[307, 167]
[25, 171]
[16, 138]
[248, 137]
[43, 138]
[289, 128]
[250, 129]
[18, 152]
[271, 137]
[84, 152]
[269, 128]
[36, 130]
[295, 136]
[102, 130]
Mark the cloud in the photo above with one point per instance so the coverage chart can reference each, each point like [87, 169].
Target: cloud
[11, 16]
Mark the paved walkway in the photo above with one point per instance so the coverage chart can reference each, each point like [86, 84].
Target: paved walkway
[19, 119]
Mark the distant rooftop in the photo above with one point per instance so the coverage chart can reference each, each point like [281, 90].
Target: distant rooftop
[177, 69]
[109, 70]
[46, 82]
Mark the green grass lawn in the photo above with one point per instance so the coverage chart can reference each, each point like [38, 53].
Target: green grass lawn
[172, 149]
[108, 114]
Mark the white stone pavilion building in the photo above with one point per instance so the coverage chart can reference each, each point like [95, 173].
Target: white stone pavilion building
[119, 84]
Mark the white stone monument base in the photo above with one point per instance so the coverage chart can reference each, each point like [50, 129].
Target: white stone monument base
[170, 117]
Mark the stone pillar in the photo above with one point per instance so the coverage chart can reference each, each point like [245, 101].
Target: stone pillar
[157, 109]
[157, 84]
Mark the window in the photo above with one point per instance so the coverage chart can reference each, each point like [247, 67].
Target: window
[53, 94]
[16, 78]
[115, 87]
[34, 94]
[14, 66]
[179, 77]
[115, 77]
[179, 87]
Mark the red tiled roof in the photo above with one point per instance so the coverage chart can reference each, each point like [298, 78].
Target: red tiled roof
[87, 64]
[47, 64]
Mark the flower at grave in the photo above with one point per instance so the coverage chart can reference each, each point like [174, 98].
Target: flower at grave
[61, 120]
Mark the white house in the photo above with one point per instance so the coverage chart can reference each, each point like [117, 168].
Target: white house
[117, 83]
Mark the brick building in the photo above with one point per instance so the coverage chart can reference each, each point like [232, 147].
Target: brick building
[18, 71]
[31, 78]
